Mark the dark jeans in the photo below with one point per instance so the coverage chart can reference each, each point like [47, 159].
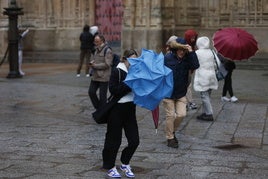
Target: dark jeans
[227, 87]
[92, 92]
[84, 53]
[122, 116]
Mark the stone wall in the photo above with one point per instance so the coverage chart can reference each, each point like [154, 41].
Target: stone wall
[56, 24]
[153, 20]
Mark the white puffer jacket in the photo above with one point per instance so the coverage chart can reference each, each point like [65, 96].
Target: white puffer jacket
[205, 77]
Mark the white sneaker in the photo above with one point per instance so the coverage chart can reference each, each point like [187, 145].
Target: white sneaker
[234, 99]
[127, 170]
[113, 173]
[224, 98]
[78, 75]
[22, 73]
[87, 75]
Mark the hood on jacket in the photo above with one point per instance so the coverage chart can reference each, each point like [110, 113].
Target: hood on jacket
[203, 43]
[188, 35]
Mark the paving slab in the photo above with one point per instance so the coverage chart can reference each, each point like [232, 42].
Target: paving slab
[46, 130]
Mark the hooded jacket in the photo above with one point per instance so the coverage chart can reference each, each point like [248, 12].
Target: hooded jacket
[205, 77]
[188, 35]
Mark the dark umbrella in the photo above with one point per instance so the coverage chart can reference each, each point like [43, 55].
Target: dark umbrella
[155, 114]
[235, 43]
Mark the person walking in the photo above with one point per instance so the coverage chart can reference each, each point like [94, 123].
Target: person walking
[101, 71]
[180, 60]
[229, 65]
[205, 78]
[86, 47]
[190, 37]
[122, 117]
[20, 50]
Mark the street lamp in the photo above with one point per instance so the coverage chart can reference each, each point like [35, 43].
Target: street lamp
[13, 38]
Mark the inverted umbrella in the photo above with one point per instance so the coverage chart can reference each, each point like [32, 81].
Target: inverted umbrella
[149, 79]
[235, 43]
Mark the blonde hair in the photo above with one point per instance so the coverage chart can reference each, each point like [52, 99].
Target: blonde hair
[177, 46]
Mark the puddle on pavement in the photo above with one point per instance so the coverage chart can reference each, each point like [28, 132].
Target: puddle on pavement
[230, 146]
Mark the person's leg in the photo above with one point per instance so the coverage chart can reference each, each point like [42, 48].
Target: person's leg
[88, 55]
[229, 83]
[81, 61]
[180, 107]
[205, 97]
[169, 106]
[128, 112]
[207, 114]
[20, 55]
[92, 92]
[113, 138]
[103, 93]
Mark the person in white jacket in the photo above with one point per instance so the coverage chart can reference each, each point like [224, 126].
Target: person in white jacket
[205, 78]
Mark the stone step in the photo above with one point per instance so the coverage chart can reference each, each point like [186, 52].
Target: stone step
[58, 56]
[51, 56]
[258, 62]
[255, 63]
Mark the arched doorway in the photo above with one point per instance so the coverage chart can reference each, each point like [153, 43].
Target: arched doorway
[108, 17]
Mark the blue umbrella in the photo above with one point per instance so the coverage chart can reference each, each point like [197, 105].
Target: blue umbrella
[149, 79]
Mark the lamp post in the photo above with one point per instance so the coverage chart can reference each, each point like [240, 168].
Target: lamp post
[13, 38]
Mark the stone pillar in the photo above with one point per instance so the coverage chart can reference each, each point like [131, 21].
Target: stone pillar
[12, 12]
[142, 25]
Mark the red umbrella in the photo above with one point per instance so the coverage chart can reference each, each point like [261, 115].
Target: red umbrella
[235, 43]
[155, 114]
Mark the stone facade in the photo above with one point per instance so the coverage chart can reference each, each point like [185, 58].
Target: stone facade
[56, 24]
[154, 21]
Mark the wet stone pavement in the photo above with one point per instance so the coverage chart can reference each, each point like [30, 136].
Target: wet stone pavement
[46, 131]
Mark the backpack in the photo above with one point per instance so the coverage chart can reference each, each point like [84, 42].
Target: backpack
[116, 58]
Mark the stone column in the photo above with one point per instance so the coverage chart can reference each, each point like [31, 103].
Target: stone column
[142, 25]
[12, 12]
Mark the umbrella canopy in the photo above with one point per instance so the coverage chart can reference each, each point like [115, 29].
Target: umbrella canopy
[149, 79]
[235, 43]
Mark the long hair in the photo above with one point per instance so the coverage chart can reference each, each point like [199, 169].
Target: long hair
[128, 53]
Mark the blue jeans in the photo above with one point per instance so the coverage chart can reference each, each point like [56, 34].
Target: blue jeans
[206, 104]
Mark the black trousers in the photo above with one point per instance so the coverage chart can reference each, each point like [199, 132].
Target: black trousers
[227, 87]
[92, 92]
[84, 53]
[122, 117]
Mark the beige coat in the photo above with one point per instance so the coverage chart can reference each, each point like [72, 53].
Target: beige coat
[102, 64]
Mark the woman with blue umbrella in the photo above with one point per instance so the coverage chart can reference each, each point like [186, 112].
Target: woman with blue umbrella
[122, 117]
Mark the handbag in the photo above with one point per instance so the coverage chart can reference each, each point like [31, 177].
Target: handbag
[101, 114]
[220, 71]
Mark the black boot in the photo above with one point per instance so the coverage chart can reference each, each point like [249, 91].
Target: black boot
[205, 117]
[172, 143]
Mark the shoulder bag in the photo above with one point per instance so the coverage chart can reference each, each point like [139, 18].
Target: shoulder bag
[220, 71]
[101, 114]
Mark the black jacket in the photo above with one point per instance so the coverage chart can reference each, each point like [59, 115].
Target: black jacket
[117, 87]
[180, 69]
[87, 41]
